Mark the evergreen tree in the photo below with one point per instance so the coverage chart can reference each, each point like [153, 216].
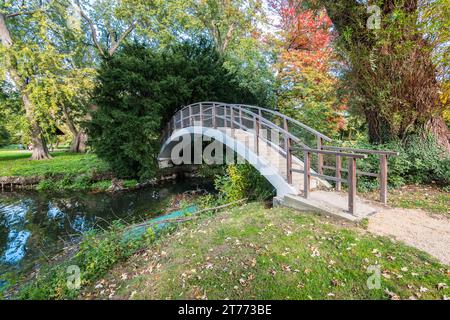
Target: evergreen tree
[141, 88]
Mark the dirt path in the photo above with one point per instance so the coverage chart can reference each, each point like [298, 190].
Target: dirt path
[417, 228]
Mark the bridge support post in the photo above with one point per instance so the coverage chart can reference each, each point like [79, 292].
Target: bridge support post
[214, 116]
[201, 114]
[288, 160]
[351, 184]
[307, 174]
[338, 173]
[383, 178]
[319, 156]
[256, 124]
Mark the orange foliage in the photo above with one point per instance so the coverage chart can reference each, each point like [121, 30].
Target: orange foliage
[304, 38]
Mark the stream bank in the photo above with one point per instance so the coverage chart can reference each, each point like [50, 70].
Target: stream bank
[35, 225]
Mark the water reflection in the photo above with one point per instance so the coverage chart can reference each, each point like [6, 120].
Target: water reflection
[15, 247]
[34, 225]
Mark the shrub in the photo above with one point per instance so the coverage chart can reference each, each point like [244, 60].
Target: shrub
[420, 160]
[243, 181]
[4, 137]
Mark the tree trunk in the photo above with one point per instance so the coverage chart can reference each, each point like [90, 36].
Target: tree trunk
[79, 142]
[79, 136]
[439, 129]
[40, 150]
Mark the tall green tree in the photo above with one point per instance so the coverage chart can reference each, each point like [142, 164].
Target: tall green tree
[12, 122]
[141, 88]
[32, 61]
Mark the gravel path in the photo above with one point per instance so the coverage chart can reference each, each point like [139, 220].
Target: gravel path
[417, 228]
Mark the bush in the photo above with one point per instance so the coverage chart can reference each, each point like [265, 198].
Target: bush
[4, 137]
[243, 181]
[420, 161]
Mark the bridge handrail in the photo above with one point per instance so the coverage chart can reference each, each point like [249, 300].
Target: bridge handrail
[274, 112]
[301, 124]
[258, 120]
[240, 107]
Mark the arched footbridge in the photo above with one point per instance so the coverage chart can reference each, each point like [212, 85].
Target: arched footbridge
[306, 169]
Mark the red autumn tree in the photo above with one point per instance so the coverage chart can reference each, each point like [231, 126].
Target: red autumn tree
[306, 85]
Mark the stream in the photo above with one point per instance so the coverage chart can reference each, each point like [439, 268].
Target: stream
[35, 225]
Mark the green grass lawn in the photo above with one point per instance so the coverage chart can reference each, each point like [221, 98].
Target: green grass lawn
[427, 197]
[18, 163]
[252, 252]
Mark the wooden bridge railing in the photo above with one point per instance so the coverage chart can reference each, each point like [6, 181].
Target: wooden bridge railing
[254, 119]
[382, 174]
[351, 176]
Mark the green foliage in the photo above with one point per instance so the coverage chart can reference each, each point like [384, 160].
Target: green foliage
[67, 182]
[140, 88]
[65, 171]
[4, 136]
[13, 128]
[243, 181]
[430, 198]
[420, 161]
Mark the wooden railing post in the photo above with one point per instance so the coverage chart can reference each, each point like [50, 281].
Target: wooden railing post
[232, 117]
[181, 119]
[307, 174]
[287, 146]
[338, 173]
[288, 160]
[201, 114]
[190, 116]
[214, 124]
[286, 128]
[383, 178]
[257, 135]
[319, 156]
[351, 184]
[240, 116]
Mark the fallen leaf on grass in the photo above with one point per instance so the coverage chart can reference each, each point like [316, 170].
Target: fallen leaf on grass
[286, 268]
[392, 295]
[315, 252]
[442, 286]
